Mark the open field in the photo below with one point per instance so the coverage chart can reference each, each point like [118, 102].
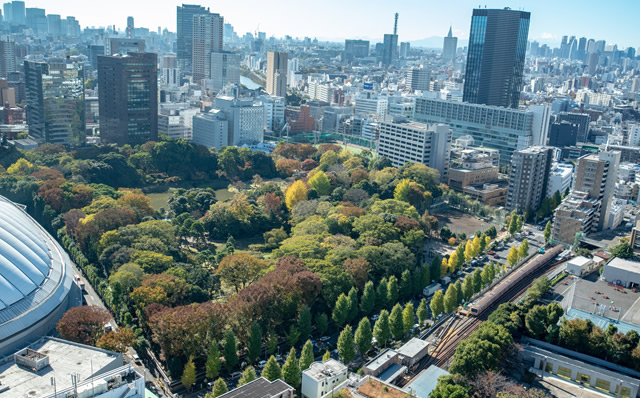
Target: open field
[459, 222]
[159, 199]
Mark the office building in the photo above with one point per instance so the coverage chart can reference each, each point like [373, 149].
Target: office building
[635, 85]
[582, 120]
[368, 104]
[6, 9]
[211, 129]
[418, 79]
[55, 101]
[184, 33]
[175, 120]
[356, 48]
[560, 179]
[504, 129]
[55, 24]
[273, 112]
[225, 69]
[122, 46]
[405, 48]
[299, 119]
[245, 117]
[321, 378]
[36, 20]
[596, 175]
[277, 73]
[130, 27]
[477, 176]
[17, 13]
[562, 134]
[528, 178]
[634, 135]
[495, 61]
[389, 49]
[207, 38]
[578, 213]
[7, 58]
[449, 47]
[128, 98]
[416, 142]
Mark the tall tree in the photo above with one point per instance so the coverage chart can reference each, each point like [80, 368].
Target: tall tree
[422, 312]
[437, 304]
[512, 256]
[341, 310]
[547, 232]
[84, 324]
[368, 299]
[458, 286]
[346, 348]
[291, 370]
[513, 225]
[395, 322]
[381, 294]
[189, 374]
[523, 250]
[272, 369]
[219, 387]
[297, 192]
[213, 361]
[477, 280]
[304, 322]
[248, 375]
[306, 356]
[381, 330]
[353, 304]
[240, 269]
[426, 276]
[450, 299]
[326, 356]
[408, 317]
[444, 267]
[254, 346]
[435, 269]
[230, 351]
[392, 290]
[363, 336]
[321, 183]
[519, 223]
[405, 290]
[467, 287]
[468, 251]
[322, 323]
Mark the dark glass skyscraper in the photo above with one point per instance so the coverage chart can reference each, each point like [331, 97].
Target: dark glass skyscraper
[128, 99]
[497, 49]
[184, 34]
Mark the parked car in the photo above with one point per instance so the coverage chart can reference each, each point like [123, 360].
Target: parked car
[375, 317]
[236, 375]
[491, 252]
[325, 338]
[496, 256]
[262, 364]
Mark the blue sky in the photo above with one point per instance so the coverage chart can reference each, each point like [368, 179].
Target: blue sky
[615, 21]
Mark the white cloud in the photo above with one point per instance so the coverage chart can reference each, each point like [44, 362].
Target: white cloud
[546, 35]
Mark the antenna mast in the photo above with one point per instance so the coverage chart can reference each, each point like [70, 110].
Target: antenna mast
[395, 25]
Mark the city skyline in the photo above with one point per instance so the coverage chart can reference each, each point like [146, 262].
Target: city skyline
[367, 20]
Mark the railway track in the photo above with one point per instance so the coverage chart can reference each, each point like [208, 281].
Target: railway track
[462, 327]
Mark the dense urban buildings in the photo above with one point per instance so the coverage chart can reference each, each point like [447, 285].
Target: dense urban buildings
[128, 98]
[495, 62]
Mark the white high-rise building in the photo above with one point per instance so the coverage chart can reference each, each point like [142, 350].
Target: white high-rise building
[211, 129]
[273, 112]
[371, 105]
[416, 142]
[293, 65]
[207, 38]
[225, 69]
[246, 119]
[560, 179]
[634, 135]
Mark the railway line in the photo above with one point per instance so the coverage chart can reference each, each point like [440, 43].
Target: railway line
[451, 333]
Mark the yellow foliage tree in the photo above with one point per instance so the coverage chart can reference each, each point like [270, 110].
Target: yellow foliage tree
[21, 166]
[444, 268]
[487, 241]
[452, 241]
[475, 245]
[468, 251]
[138, 202]
[513, 256]
[402, 190]
[297, 192]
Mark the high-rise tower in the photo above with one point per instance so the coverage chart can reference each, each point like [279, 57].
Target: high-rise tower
[449, 47]
[277, 73]
[184, 34]
[390, 45]
[495, 61]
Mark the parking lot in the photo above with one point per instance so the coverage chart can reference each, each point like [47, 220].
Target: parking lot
[459, 222]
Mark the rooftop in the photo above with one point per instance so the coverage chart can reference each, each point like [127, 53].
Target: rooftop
[380, 360]
[65, 358]
[259, 388]
[627, 265]
[326, 369]
[425, 382]
[412, 347]
[579, 261]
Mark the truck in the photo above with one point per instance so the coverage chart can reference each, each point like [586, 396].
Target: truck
[431, 289]
[79, 282]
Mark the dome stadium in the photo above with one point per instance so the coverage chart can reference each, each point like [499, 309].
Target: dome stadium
[36, 279]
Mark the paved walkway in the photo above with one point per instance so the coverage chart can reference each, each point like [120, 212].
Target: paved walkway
[561, 388]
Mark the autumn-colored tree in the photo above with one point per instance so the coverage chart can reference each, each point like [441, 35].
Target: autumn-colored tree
[523, 250]
[22, 166]
[401, 192]
[118, 340]
[189, 374]
[452, 241]
[287, 166]
[321, 183]
[297, 192]
[444, 268]
[138, 202]
[468, 251]
[512, 257]
[437, 304]
[219, 388]
[240, 269]
[83, 324]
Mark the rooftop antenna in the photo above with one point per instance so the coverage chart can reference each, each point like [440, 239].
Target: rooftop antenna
[395, 25]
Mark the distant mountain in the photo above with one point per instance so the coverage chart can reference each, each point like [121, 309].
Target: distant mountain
[434, 42]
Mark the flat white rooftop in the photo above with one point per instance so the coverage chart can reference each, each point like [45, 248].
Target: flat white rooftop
[65, 358]
[326, 369]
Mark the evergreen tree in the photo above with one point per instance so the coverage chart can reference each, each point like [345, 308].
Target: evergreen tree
[254, 346]
[416, 281]
[437, 304]
[306, 356]
[346, 348]
[230, 351]
[189, 374]
[422, 312]
[460, 296]
[459, 256]
[467, 287]
[523, 250]
[213, 361]
[426, 276]
[219, 388]
[304, 323]
[408, 317]
[363, 336]
[291, 370]
[293, 336]
[326, 356]
[368, 299]
[450, 299]
[395, 322]
[381, 294]
[392, 290]
[477, 280]
[272, 343]
[248, 375]
[322, 323]
[405, 288]
[381, 330]
[353, 304]
[547, 232]
[341, 310]
[519, 223]
[513, 225]
[435, 268]
[272, 369]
